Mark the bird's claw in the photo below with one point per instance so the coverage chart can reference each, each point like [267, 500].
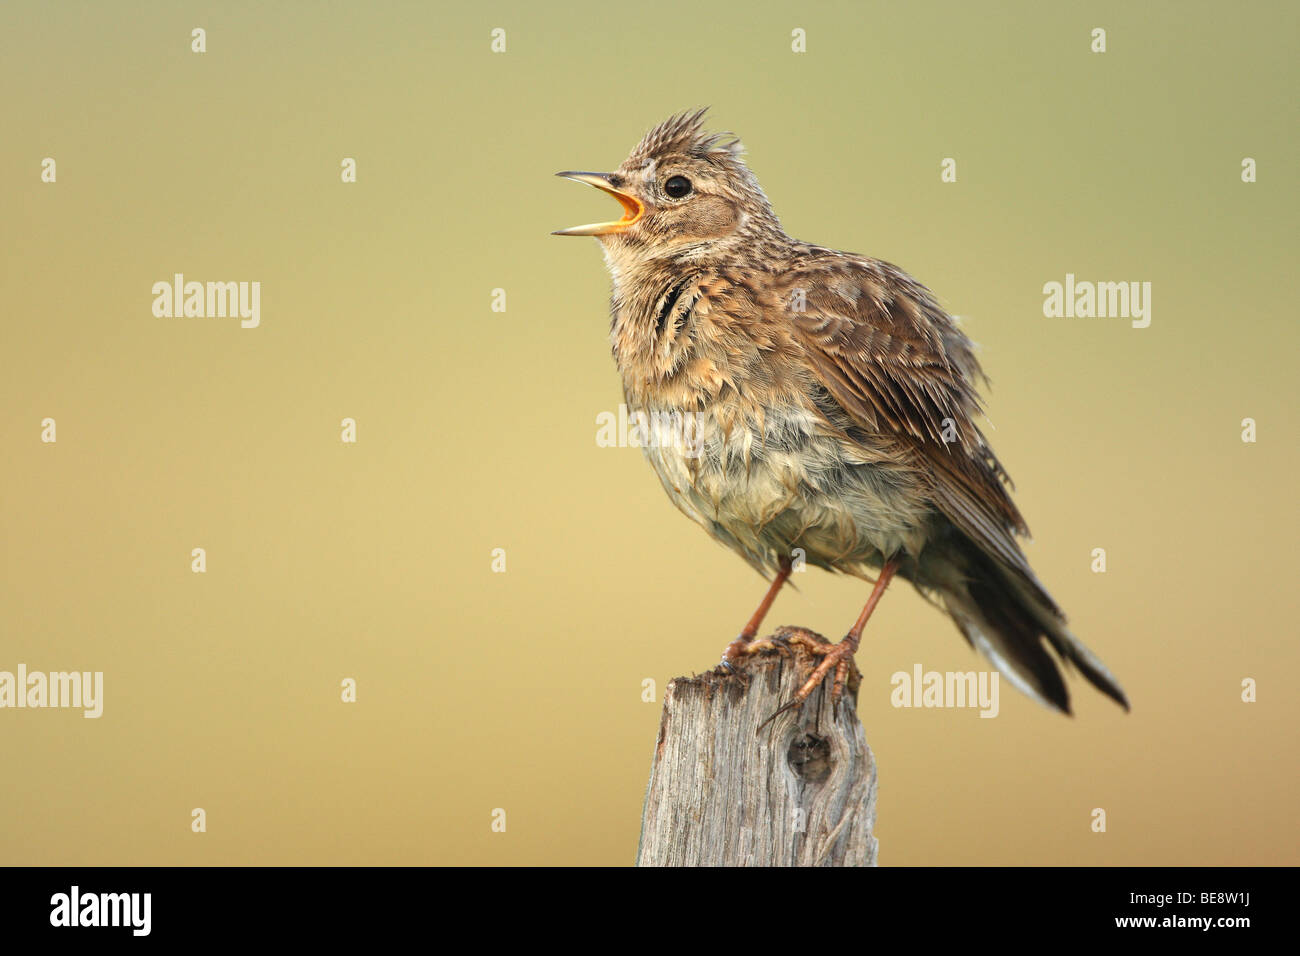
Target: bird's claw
[837, 657]
[745, 646]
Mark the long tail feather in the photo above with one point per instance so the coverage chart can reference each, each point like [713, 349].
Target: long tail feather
[1014, 623]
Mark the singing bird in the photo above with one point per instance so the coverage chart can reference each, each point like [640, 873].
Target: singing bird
[831, 404]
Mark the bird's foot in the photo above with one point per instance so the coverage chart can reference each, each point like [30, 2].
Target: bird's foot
[834, 657]
[780, 641]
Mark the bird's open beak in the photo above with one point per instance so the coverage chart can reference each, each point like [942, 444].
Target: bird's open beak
[632, 207]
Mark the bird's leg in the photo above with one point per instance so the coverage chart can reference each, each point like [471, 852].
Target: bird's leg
[840, 656]
[744, 644]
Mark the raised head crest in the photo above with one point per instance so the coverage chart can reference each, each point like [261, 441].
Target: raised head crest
[684, 134]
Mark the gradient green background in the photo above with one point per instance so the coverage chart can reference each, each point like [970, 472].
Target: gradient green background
[477, 429]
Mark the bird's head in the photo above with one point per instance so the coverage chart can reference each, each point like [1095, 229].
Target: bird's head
[686, 196]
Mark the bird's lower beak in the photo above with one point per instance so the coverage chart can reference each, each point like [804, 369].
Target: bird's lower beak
[632, 207]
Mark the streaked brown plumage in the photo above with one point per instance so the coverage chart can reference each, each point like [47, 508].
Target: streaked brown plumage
[834, 402]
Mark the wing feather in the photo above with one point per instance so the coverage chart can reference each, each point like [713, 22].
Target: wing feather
[898, 364]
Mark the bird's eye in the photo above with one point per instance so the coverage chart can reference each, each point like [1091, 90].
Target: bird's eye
[677, 186]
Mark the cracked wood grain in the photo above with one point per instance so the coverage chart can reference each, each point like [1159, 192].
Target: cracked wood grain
[802, 792]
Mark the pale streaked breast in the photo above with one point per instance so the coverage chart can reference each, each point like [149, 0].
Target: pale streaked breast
[792, 484]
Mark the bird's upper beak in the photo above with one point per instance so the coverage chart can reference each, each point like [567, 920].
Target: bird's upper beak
[632, 207]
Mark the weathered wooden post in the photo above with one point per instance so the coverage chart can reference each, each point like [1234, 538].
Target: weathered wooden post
[802, 792]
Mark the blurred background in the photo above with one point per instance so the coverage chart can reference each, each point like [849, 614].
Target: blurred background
[476, 429]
